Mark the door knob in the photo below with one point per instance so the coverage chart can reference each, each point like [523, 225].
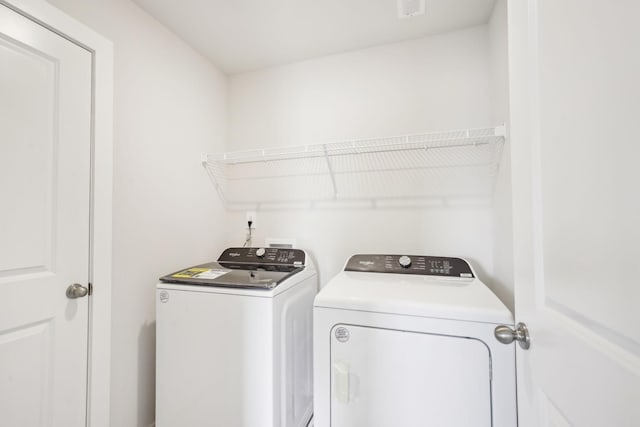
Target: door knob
[506, 335]
[77, 291]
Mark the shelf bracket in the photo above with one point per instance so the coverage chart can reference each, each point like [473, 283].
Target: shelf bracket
[333, 178]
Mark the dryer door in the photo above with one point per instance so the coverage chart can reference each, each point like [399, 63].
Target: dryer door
[383, 377]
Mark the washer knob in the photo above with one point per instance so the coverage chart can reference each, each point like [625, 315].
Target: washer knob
[260, 252]
[404, 261]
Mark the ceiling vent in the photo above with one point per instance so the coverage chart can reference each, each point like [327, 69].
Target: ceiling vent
[409, 8]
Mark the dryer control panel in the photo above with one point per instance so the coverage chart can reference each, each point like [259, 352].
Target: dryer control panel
[410, 264]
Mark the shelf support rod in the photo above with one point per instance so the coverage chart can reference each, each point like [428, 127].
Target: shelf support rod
[333, 178]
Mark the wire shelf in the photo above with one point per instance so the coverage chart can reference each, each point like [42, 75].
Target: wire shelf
[461, 163]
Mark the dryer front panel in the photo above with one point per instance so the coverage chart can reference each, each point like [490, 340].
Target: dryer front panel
[384, 377]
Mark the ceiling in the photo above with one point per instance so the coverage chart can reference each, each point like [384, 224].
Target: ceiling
[245, 35]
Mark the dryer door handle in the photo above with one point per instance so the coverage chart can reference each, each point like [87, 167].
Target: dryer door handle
[341, 381]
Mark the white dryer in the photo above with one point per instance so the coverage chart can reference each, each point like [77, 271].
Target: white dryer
[405, 341]
[233, 341]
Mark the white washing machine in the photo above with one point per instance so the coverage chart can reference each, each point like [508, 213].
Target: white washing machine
[405, 341]
[233, 341]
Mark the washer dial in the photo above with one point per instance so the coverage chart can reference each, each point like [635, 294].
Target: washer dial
[404, 261]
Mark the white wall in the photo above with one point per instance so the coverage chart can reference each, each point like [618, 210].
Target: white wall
[434, 83]
[502, 280]
[428, 84]
[332, 235]
[169, 106]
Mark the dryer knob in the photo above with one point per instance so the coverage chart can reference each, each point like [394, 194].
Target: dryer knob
[405, 261]
[260, 252]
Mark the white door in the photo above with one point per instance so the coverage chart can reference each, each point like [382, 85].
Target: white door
[45, 145]
[383, 377]
[575, 104]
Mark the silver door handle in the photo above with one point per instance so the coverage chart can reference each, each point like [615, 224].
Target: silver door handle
[77, 291]
[506, 335]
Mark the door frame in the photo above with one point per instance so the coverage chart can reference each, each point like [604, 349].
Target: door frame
[99, 339]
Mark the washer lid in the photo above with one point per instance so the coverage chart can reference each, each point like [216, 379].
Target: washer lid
[233, 275]
[425, 296]
[263, 268]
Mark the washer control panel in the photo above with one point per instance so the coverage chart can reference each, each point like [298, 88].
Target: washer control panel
[278, 256]
[410, 264]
